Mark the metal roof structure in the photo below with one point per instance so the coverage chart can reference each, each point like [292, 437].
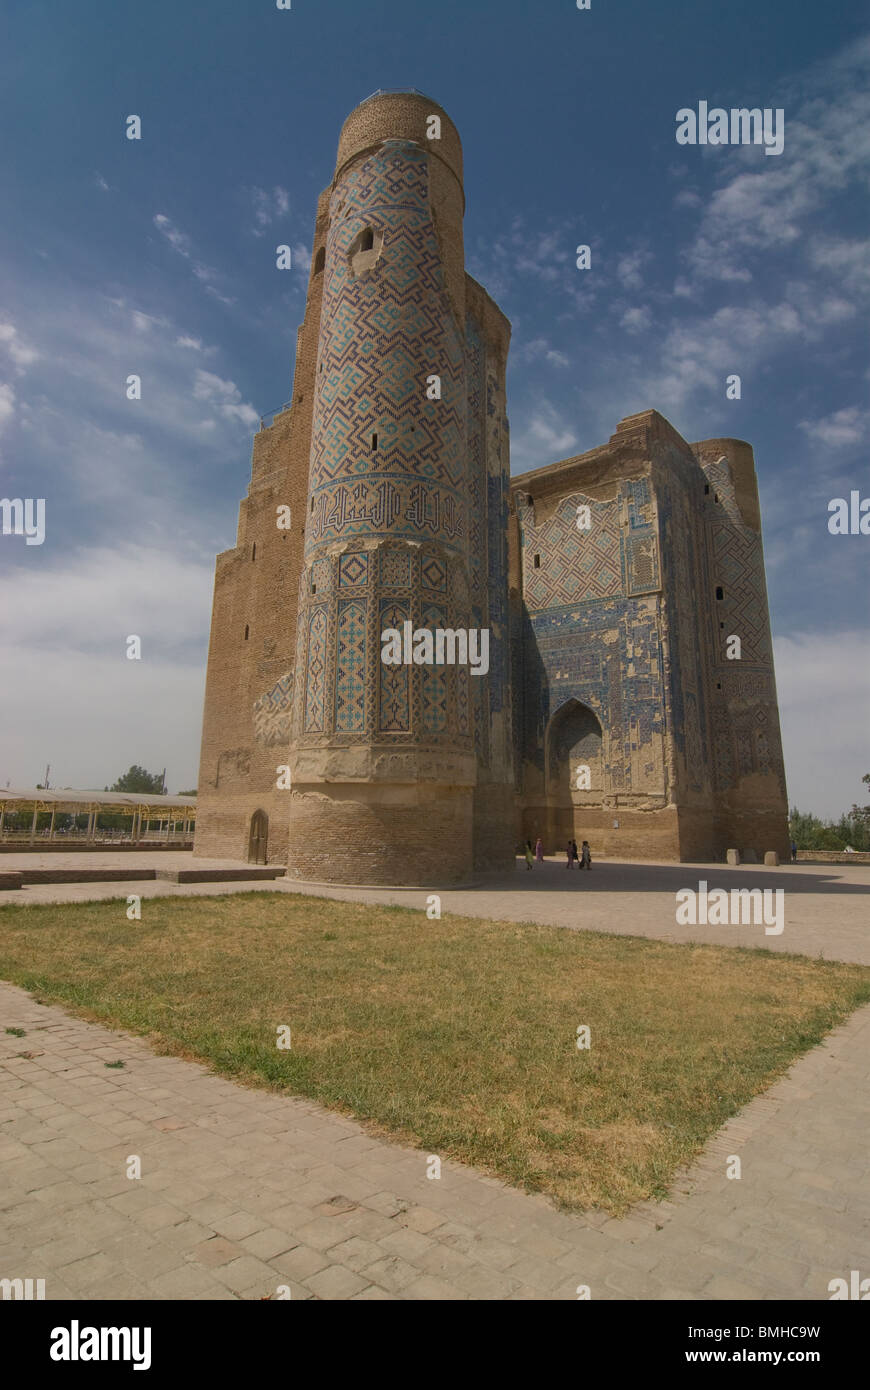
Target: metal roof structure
[68, 796]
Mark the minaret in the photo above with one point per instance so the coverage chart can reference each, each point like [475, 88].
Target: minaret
[382, 757]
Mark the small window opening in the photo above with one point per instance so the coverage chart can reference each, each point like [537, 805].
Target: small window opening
[314, 588]
[721, 624]
[312, 504]
[254, 551]
[715, 497]
[374, 443]
[718, 685]
[706, 489]
[367, 240]
[537, 562]
[320, 260]
[531, 501]
[247, 631]
[720, 592]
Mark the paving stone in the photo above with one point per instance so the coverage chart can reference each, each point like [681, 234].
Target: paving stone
[336, 1282]
[260, 1191]
[268, 1243]
[300, 1262]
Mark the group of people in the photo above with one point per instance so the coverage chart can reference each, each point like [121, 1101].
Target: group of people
[582, 857]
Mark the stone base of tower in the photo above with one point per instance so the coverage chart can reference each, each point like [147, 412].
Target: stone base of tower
[381, 834]
[496, 831]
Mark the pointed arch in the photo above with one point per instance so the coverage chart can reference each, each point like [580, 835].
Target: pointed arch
[574, 742]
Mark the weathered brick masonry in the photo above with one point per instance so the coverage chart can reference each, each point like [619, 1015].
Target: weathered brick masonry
[607, 645]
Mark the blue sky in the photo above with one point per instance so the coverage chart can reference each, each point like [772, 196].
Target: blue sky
[157, 257]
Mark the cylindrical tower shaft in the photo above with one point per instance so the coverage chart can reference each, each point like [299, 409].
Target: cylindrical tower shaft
[382, 757]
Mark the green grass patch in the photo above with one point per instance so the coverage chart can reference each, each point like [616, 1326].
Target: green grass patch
[457, 1036]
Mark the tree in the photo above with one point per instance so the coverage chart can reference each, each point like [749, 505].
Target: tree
[136, 779]
[862, 812]
[190, 793]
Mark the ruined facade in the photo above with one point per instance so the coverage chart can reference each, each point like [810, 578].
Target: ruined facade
[382, 497]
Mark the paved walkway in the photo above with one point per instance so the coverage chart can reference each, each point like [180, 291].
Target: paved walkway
[826, 907]
[243, 1192]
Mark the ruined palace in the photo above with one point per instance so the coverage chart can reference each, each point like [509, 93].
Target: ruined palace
[617, 706]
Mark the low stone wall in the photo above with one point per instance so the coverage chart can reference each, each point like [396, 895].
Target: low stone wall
[832, 856]
[40, 845]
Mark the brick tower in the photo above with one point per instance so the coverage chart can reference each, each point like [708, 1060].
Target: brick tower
[393, 460]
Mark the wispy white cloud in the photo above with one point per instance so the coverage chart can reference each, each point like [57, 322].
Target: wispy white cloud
[224, 397]
[844, 427]
[637, 319]
[183, 245]
[541, 349]
[545, 438]
[268, 206]
[21, 353]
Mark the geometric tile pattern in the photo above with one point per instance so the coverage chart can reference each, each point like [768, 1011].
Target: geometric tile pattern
[737, 566]
[385, 459]
[394, 701]
[574, 564]
[395, 569]
[433, 573]
[316, 671]
[321, 577]
[350, 667]
[272, 713]
[642, 563]
[353, 569]
[433, 679]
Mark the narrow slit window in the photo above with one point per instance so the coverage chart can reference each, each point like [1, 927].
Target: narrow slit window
[254, 551]
[537, 562]
[374, 443]
[367, 240]
[247, 632]
[720, 592]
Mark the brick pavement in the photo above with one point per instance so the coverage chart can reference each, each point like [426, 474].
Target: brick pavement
[243, 1192]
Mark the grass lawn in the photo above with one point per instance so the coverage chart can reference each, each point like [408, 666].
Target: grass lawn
[458, 1036]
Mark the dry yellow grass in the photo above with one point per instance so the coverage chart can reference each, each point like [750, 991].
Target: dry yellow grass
[458, 1036]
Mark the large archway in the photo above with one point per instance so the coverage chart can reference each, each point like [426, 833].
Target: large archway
[575, 754]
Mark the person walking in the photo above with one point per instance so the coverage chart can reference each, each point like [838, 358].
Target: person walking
[570, 855]
[574, 855]
[585, 855]
[530, 858]
[793, 852]
[539, 850]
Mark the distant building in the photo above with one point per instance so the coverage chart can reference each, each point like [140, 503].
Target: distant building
[610, 585]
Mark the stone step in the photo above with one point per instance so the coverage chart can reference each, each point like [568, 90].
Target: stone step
[9, 879]
[254, 871]
[86, 875]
